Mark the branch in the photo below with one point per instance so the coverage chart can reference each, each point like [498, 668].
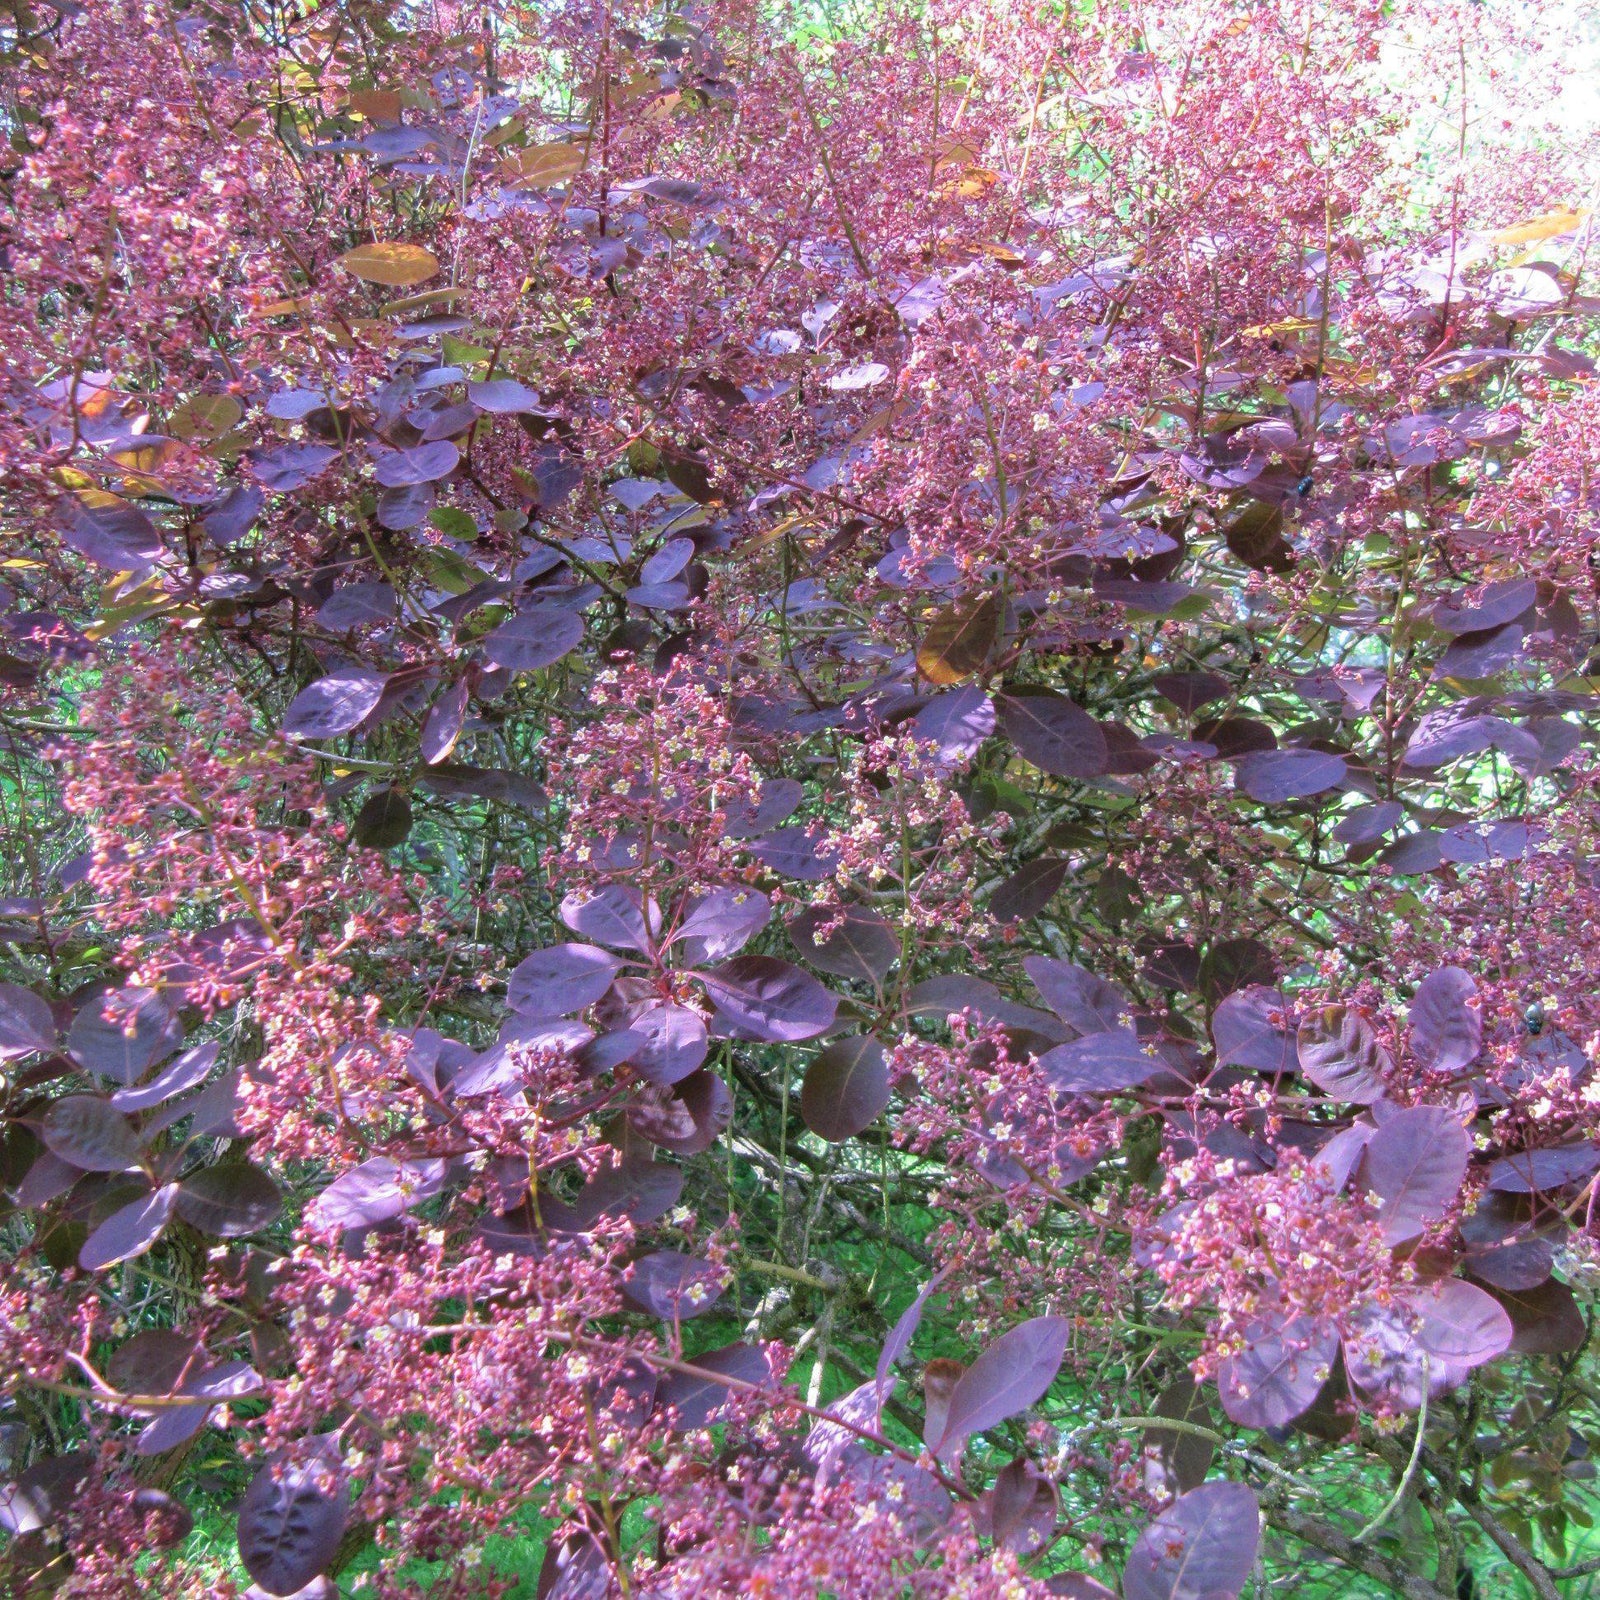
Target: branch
[1517, 1553]
[1325, 1537]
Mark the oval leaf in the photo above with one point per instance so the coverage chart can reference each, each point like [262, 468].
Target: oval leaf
[336, 704]
[123, 1034]
[88, 1133]
[1273, 777]
[959, 639]
[846, 1088]
[1055, 734]
[858, 943]
[128, 1231]
[1339, 1052]
[390, 262]
[765, 998]
[25, 1022]
[1446, 1033]
[1202, 1547]
[563, 979]
[1278, 1373]
[229, 1200]
[1416, 1162]
[291, 1520]
[538, 636]
[1007, 1378]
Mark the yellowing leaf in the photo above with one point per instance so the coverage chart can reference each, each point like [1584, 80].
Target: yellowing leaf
[205, 416]
[1267, 330]
[546, 165]
[390, 262]
[1550, 225]
[148, 457]
[377, 105]
[959, 639]
[972, 182]
[424, 301]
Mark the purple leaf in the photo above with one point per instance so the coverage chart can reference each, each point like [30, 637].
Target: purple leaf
[659, 596]
[862, 944]
[1184, 1458]
[358, 605]
[290, 466]
[173, 1425]
[425, 463]
[1462, 1325]
[1339, 1052]
[1099, 1063]
[1338, 1157]
[1448, 734]
[229, 1200]
[1416, 1162]
[405, 507]
[1534, 1171]
[1446, 1033]
[1008, 1377]
[691, 1119]
[801, 853]
[26, 1024]
[291, 1520]
[1029, 889]
[538, 636]
[957, 721]
[85, 1131]
[333, 705]
[215, 1109]
[152, 1361]
[189, 1069]
[667, 562]
[1414, 852]
[1077, 1586]
[695, 1400]
[1273, 777]
[722, 922]
[1188, 691]
[1248, 1027]
[1368, 824]
[374, 1192]
[904, 1330]
[672, 1043]
[1499, 603]
[1546, 1319]
[502, 396]
[1077, 996]
[1056, 735]
[777, 800]
[232, 517]
[765, 998]
[639, 1189]
[442, 726]
[574, 1568]
[118, 537]
[615, 916]
[674, 1287]
[1202, 1547]
[1019, 1511]
[128, 1231]
[846, 1088]
[43, 1492]
[560, 980]
[121, 1035]
[1279, 1372]
[951, 993]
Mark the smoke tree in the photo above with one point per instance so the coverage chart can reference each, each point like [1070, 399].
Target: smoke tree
[800, 802]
